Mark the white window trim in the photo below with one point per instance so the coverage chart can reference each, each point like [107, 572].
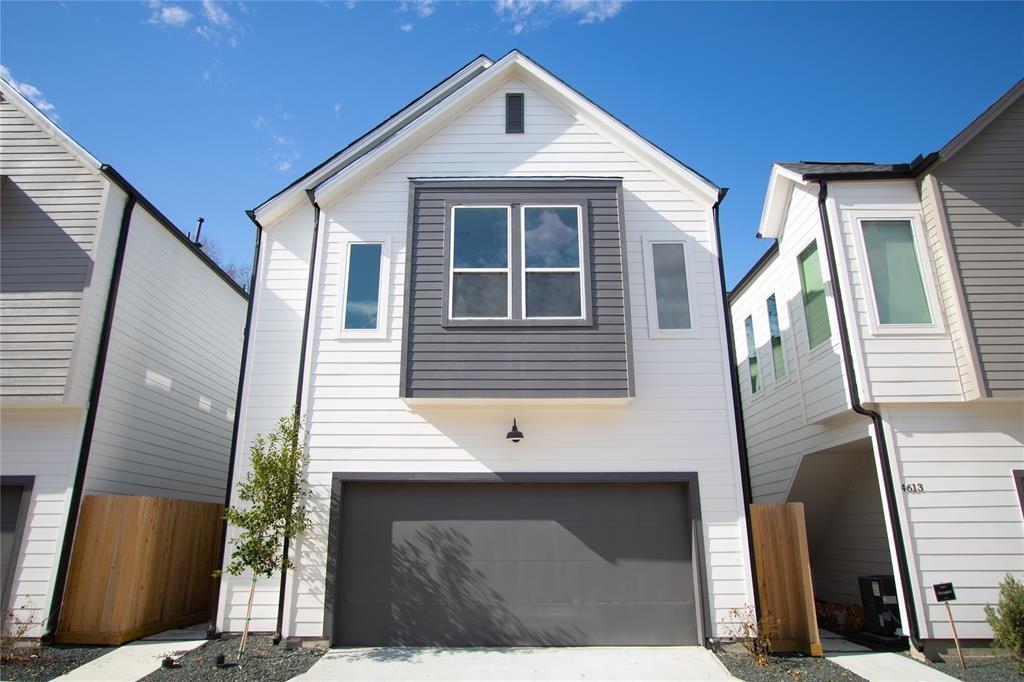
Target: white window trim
[757, 356]
[776, 380]
[580, 269]
[653, 330]
[829, 344]
[507, 269]
[383, 292]
[931, 292]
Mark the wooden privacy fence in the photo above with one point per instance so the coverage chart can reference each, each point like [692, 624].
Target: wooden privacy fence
[139, 565]
[784, 576]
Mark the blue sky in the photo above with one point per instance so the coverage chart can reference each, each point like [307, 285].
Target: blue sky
[210, 108]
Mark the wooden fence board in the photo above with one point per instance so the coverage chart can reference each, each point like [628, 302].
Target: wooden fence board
[139, 565]
[783, 567]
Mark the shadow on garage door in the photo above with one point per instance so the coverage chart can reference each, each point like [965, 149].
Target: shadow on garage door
[512, 564]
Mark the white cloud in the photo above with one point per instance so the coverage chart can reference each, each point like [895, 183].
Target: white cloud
[350, 4]
[422, 8]
[284, 166]
[215, 14]
[281, 139]
[170, 15]
[406, 27]
[208, 32]
[31, 92]
[259, 121]
[337, 108]
[233, 41]
[526, 15]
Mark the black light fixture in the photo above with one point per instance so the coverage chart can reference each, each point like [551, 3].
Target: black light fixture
[515, 435]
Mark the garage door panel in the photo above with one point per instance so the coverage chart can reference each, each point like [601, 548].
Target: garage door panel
[495, 564]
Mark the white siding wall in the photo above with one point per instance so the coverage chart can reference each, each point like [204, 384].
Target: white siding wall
[857, 543]
[680, 420]
[949, 291]
[807, 410]
[163, 426]
[269, 389]
[42, 443]
[903, 367]
[966, 526]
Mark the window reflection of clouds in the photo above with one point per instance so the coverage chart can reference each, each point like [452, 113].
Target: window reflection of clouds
[552, 238]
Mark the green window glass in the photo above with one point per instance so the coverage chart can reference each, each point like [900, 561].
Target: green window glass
[755, 373]
[895, 272]
[812, 286]
[778, 355]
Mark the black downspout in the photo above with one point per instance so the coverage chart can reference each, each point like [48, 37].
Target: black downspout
[888, 487]
[211, 630]
[53, 620]
[298, 394]
[737, 406]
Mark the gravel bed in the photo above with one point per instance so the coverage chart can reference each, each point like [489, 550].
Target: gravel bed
[263, 662]
[786, 667]
[981, 669]
[47, 661]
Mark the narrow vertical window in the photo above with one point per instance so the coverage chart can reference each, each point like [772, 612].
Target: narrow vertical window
[668, 288]
[755, 373]
[515, 114]
[362, 287]
[552, 262]
[812, 288]
[895, 272]
[778, 354]
[479, 284]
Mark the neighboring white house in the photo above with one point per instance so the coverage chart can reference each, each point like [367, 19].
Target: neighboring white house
[918, 317]
[502, 252]
[119, 353]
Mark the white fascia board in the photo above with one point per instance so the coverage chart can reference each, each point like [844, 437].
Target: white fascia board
[276, 207]
[11, 93]
[776, 201]
[705, 191]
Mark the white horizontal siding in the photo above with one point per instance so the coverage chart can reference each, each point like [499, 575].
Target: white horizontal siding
[680, 420]
[936, 374]
[42, 443]
[966, 526]
[806, 410]
[166, 409]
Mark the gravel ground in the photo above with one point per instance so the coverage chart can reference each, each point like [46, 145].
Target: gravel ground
[786, 667]
[262, 662]
[48, 661]
[981, 669]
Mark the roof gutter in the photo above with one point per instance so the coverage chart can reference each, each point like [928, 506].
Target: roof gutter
[888, 485]
[298, 395]
[737, 406]
[78, 486]
[211, 631]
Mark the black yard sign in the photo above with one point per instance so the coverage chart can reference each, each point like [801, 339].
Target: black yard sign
[944, 592]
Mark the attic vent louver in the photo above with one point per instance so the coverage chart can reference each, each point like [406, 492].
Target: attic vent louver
[514, 112]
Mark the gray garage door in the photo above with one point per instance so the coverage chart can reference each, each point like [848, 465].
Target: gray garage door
[514, 564]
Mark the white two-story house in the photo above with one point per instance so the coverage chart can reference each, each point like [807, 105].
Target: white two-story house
[120, 345]
[880, 350]
[501, 314]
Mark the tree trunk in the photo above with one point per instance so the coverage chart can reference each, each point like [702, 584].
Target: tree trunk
[248, 617]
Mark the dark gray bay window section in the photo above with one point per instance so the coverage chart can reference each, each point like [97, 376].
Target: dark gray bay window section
[516, 288]
[362, 286]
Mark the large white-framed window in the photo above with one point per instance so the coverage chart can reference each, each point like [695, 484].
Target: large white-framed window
[479, 274]
[362, 310]
[552, 278]
[902, 290]
[813, 296]
[669, 286]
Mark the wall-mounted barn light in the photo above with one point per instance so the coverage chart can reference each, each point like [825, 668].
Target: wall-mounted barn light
[515, 435]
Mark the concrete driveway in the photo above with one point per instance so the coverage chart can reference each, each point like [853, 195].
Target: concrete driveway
[576, 663]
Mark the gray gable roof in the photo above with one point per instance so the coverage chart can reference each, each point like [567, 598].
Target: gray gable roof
[839, 170]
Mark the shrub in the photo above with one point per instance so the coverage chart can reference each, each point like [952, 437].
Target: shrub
[1007, 619]
[755, 634]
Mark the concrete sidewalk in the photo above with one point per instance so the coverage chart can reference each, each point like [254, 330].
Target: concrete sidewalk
[137, 659]
[877, 666]
[570, 663]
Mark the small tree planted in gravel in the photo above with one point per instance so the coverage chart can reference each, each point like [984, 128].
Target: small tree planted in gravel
[1007, 619]
[273, 507]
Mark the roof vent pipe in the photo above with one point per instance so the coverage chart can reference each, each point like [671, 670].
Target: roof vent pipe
[199, 229]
